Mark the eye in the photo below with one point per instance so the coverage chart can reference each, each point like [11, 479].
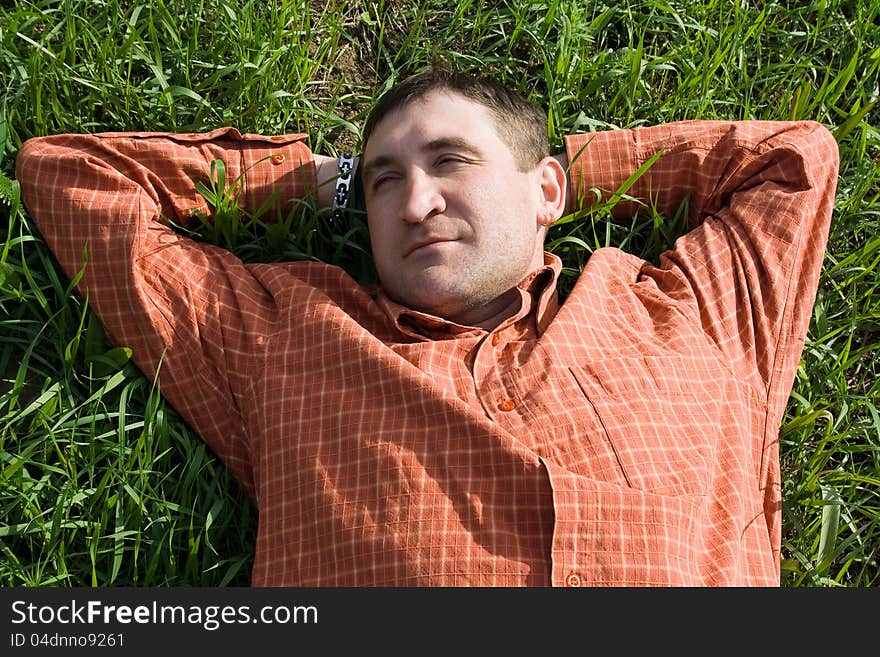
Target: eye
[449, 160]
[381, 179]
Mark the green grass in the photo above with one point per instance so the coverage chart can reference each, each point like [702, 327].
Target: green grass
[102, 483]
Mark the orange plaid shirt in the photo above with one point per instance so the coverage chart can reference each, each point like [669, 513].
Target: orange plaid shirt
[628, 436]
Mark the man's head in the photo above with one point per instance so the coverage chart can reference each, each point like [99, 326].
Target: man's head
[459, 189]
[520, 125]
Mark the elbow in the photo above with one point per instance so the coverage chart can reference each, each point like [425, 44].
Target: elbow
[819, 146]
[27, 163]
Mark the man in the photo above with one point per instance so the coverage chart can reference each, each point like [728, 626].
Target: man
[457, 425]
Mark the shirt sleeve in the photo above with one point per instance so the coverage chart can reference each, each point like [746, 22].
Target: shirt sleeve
[105, 204]
[760, 196]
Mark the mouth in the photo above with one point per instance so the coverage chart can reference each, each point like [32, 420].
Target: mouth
[420, 244]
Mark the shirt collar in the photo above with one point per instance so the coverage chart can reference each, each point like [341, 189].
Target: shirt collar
[539, 306]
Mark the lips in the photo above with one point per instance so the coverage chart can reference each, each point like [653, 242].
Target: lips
[426, 241]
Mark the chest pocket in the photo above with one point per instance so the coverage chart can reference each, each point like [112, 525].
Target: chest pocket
[660, 416]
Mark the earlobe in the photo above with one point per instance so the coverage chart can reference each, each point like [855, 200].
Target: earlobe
[553, 181]
[546, 219]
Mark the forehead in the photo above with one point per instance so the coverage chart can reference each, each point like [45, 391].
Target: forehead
[438, 114]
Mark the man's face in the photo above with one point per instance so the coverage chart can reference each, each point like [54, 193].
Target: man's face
[453, 222]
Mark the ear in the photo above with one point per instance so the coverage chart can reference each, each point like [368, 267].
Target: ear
[553, 181]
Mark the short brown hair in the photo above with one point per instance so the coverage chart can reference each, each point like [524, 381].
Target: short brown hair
[520, 125]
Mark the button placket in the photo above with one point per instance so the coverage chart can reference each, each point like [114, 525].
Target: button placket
[489, 383]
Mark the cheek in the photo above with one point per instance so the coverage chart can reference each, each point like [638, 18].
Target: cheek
[378, 223]
[510, 210]
[511, 194]
[383, 239]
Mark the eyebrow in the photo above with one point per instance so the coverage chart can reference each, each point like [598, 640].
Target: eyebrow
[439, 144]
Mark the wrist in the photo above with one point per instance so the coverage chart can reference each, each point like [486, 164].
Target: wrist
[338, 191]
[326, 171]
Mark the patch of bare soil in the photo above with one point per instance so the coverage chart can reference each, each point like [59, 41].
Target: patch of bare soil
[358, 71]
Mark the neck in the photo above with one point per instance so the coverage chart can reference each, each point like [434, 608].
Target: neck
[490, 315]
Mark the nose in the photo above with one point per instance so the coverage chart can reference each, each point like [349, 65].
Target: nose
[422, 198]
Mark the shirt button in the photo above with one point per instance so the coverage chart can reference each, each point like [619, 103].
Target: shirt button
[495, 339]
[573, 580]
[278, 158]
[506, 405]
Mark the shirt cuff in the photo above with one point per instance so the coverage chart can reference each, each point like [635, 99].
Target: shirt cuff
[280, 166]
